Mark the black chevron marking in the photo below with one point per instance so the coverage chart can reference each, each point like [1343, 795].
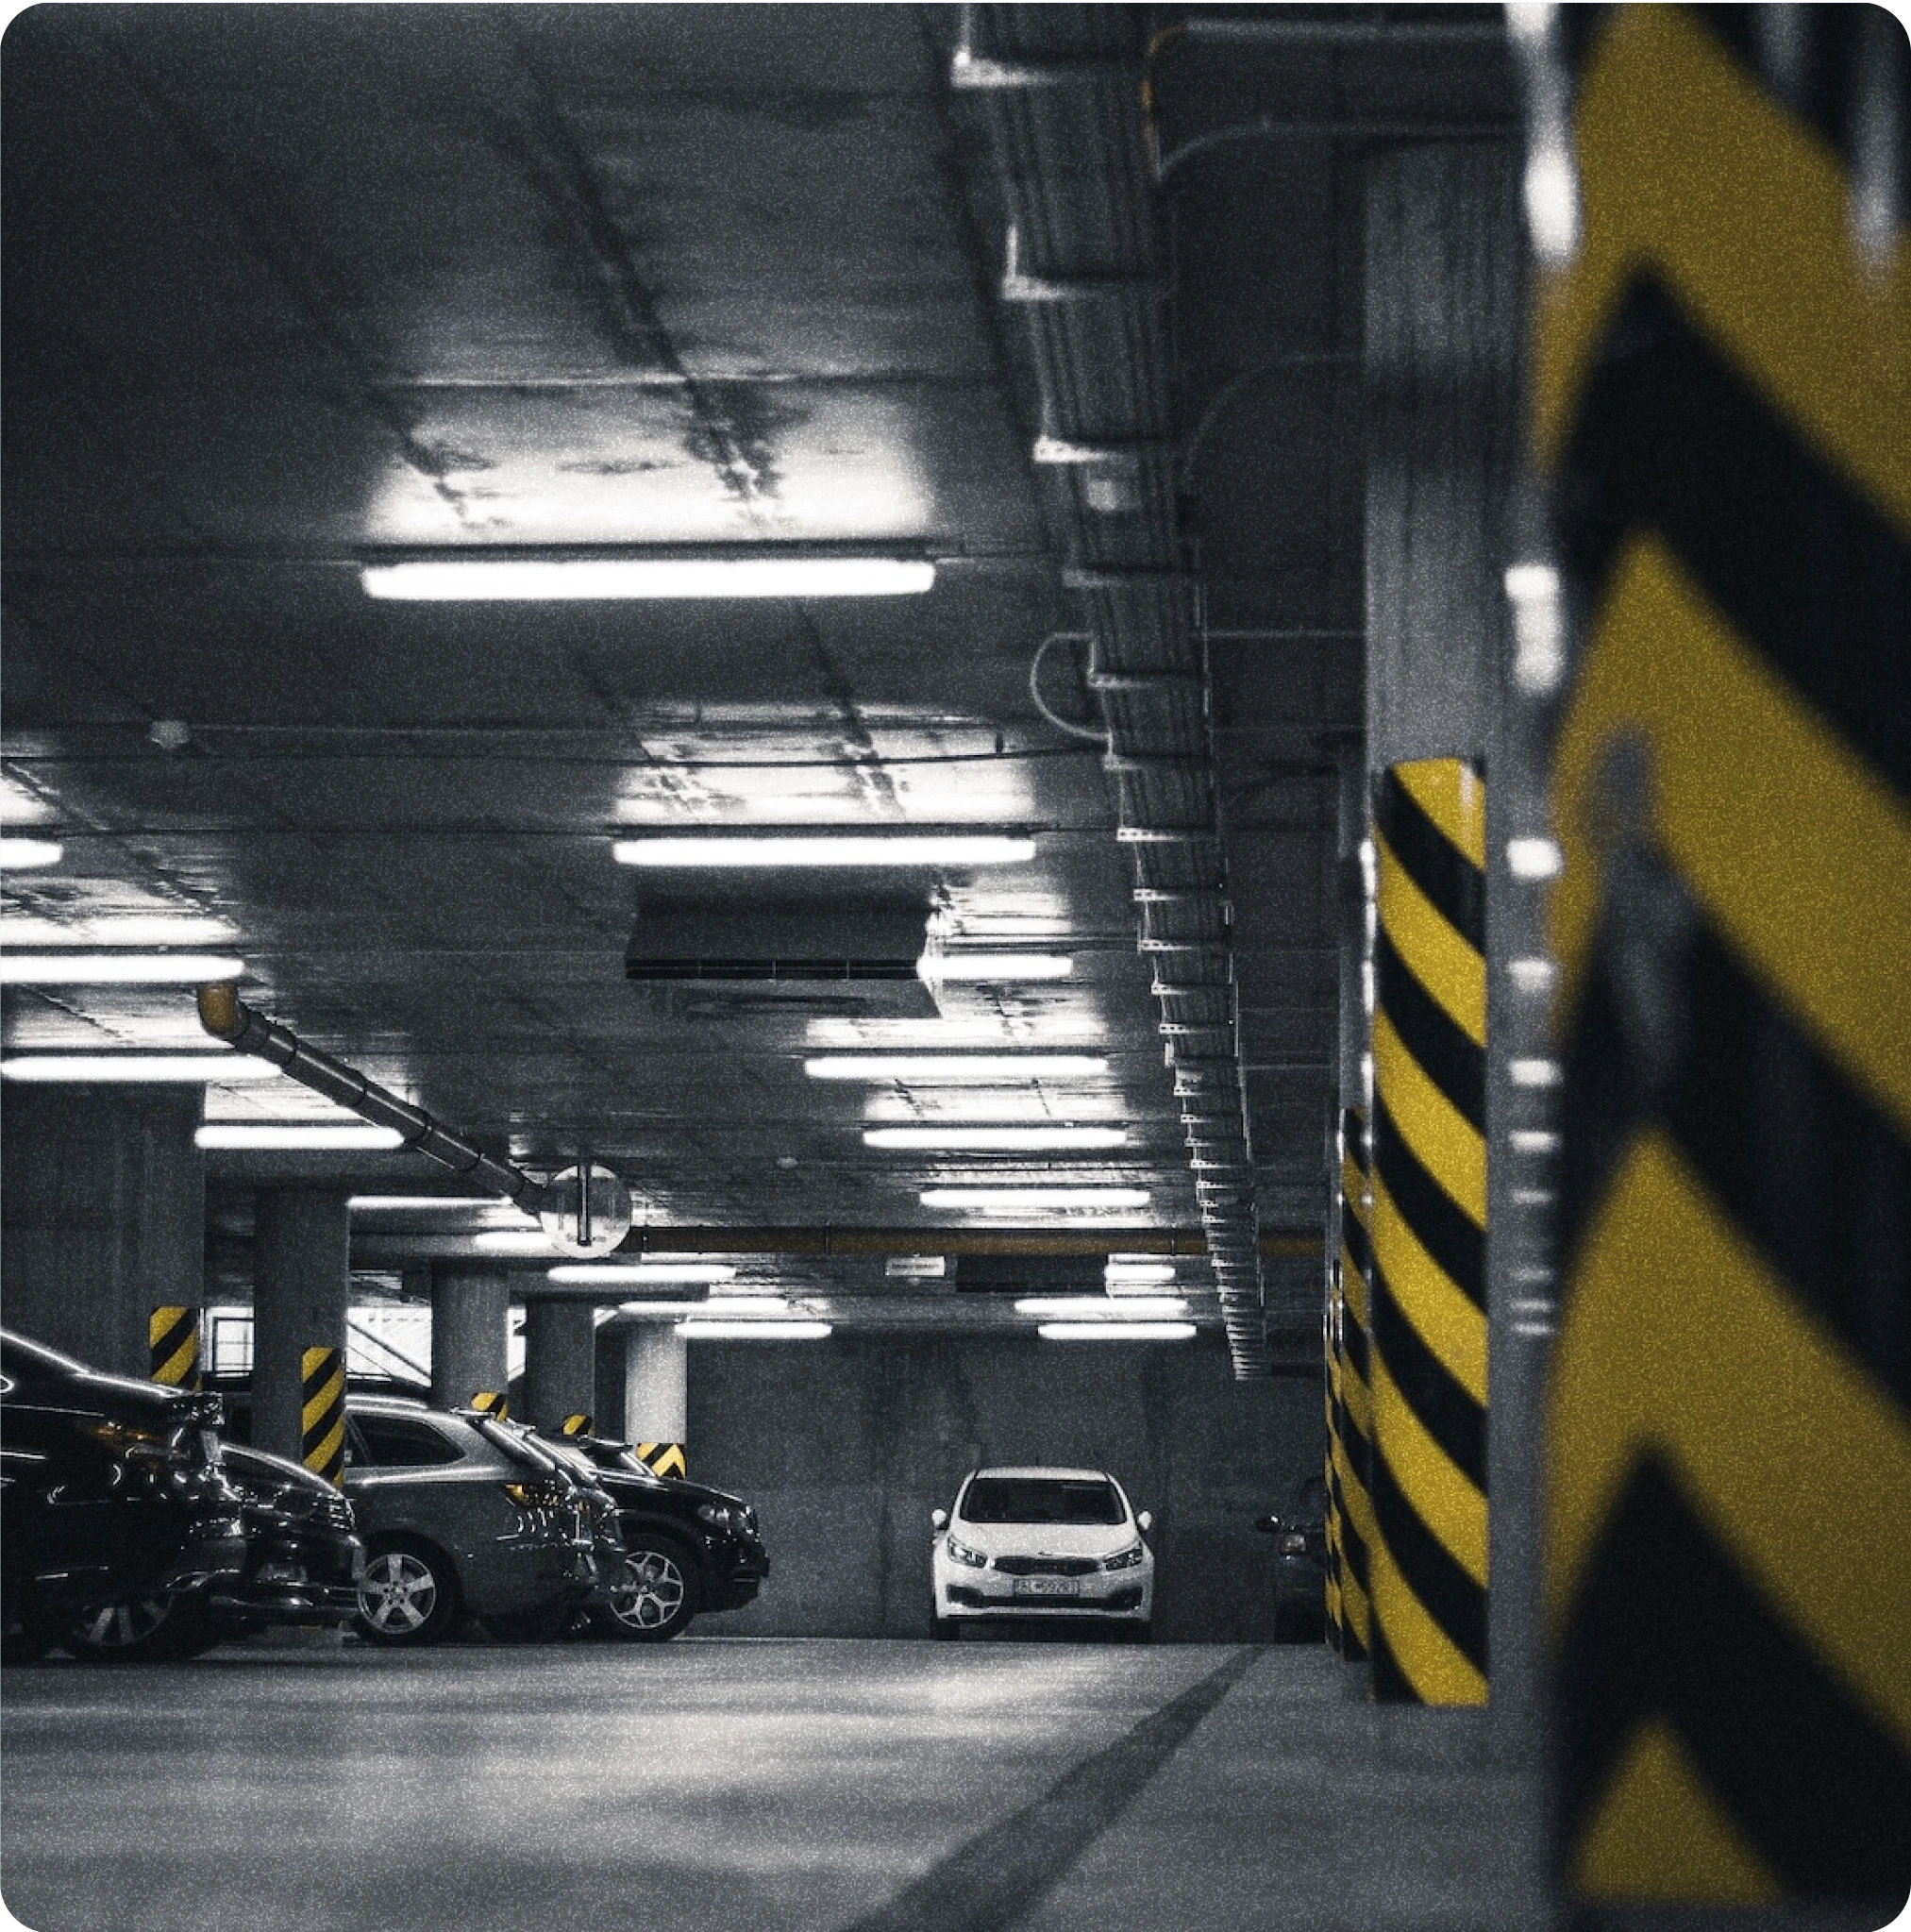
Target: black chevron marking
[1667, 1626]
[1450, 1596]
[1452, 882]
[314, 1383]
[1354, 1346]
[174, 1337]
[1440, 1226]
[1810, 1172]
[1449, 1414]
[1444, 1052]
[1354, 1239]
[1669, 436]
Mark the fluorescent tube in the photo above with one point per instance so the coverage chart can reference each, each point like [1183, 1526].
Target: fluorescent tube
[954, 1066]
[1008, 1199]
[86, 1067]
[732, 850]
[116, 968]
[1116, 1331]
[468, 577]
[994, 1139]
[288, 1138]
[23, 854]
[682, 1274]
[994, 965]
[696, 1329]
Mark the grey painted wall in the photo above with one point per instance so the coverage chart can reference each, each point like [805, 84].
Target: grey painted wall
[845, 1446]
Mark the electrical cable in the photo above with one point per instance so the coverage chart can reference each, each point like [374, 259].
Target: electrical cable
[1074, 731]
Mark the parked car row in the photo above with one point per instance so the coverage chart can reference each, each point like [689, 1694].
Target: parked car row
[140, 1522]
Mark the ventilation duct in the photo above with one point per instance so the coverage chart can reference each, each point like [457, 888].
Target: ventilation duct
[851, 932]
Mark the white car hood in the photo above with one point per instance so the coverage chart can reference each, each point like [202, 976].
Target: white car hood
[1043, 1538]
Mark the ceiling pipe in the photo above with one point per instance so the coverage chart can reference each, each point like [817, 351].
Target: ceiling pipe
[227, 1018]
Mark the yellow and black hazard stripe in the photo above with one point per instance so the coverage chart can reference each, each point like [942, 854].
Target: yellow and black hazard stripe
[662, 1458]
[1337, 1614]
[495, 1402]
[1428, 1384]
[1351, 1443]
[574, 1425]
[1723, 396]
[173, 1338]
[322, 1412]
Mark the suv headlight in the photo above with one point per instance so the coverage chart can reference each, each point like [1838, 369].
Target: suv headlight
[1123, 1559]
[963, 1554]
[720, 1516]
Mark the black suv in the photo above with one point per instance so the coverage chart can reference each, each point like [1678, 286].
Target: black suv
[686, 1548]
[116, 1521]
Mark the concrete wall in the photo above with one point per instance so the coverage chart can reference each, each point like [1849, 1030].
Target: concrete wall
[845, 1446]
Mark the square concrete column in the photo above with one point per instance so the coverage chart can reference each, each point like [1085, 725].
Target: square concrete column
[656, 1409]
[102, 1213]
[301, 1286]
[559, 1361]
[470, 1334]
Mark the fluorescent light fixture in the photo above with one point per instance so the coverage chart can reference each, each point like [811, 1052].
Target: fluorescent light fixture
[425, 1204]
[732, 850]
[116, 968]
[771, 1331]
[994, 1139]
[1534, 858]
[19, 806]
[1116, 1331]
[23, 854]
[1123, 1277]
[932, 1068]
[522, 579]
[224, 1067]
[1087, 1308]
[513, 1241]
[1532, 975]
[1011, 1200]
[682, 1274]
[994, 965]
[744, 1305]
[1021, 1030]
[285, 1137]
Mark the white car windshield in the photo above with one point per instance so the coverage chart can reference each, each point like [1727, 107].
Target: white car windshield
[1041, 1499]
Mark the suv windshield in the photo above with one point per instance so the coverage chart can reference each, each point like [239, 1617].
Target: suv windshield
[1041, 1499]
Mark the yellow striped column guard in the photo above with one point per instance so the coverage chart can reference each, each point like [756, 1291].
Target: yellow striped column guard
[1352, 1445]
[1427, 1181]
[662, 1458]
[1723, 395]
[495, 1402]
[173, 1342]
[574, 1425]
[322, 1412]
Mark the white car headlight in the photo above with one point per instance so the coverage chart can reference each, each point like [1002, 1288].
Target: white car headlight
[1123, 1559]
[963, 1554]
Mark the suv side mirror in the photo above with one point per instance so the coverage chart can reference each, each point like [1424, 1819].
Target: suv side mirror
[1145, 1519]
[938, 1518]
[1267, 1526]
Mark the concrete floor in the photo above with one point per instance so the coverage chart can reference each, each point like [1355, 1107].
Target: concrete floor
[781, 1784]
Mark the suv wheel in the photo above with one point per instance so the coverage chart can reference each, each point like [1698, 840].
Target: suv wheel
[145, 1630]
[408, 1595]
[653, 1596]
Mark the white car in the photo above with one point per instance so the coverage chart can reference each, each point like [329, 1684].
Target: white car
[1026, 1542]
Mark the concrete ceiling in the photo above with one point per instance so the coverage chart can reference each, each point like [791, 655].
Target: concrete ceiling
[288, 286]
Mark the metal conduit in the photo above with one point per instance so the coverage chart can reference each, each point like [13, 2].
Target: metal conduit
[1060, 89]
[226, 1017]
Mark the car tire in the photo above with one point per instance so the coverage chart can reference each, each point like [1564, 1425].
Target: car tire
[946, 1629]
[407, 1596]
[545, 1624]
[654, 1596]
[145, 1630]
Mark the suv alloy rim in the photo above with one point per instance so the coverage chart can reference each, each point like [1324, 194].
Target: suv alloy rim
[397, 1592]
[649, 1592]
[121, 1625]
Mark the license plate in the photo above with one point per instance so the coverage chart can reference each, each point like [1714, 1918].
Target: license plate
[1046, 1586]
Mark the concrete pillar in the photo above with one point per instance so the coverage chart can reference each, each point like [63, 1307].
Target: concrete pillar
[656, 1406]
[103, 1207]
[559, 1361]
[470, 1333]
[1444, 314]
[301, 1286]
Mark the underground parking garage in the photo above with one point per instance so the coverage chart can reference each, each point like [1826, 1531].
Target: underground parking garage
[952, 967]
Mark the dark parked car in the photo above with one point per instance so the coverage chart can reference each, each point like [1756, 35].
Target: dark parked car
[460, 1515]
[1300, 1564]
[687, 1548]
[116, 1521]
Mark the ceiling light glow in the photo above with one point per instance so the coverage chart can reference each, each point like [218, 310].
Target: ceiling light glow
[513, 1241]
[933, 1067]
[1122, 1277]
[732, 850]
[520, 580]
[696, 1329]
[1116, 1331]
[287, 1137]
[997, 965]
[429, 1203]
[994, 1139]
[682, 1274]
[117, 968]
[1087, 1308]
[87, 1067]
[24, 854]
